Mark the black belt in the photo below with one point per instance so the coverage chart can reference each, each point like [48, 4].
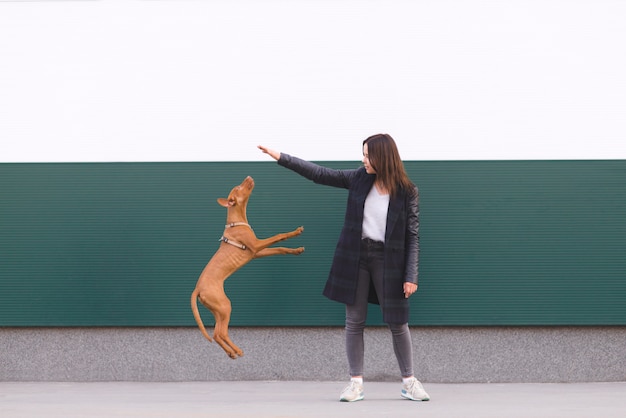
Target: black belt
[372, 244]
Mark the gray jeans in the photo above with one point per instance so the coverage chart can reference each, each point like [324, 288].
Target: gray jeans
[371, 270]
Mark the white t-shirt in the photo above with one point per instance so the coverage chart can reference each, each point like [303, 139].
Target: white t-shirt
[375, 215]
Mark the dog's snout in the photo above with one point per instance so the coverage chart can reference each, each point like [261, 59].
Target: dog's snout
[248, 182]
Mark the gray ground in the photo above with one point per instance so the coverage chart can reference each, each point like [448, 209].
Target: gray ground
[307, 399]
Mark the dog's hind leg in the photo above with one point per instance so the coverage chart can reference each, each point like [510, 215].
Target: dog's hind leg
[220, 333]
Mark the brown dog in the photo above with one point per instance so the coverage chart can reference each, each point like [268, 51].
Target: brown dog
[238, 246]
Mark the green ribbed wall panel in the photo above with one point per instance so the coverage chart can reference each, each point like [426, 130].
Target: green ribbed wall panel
[503, 243]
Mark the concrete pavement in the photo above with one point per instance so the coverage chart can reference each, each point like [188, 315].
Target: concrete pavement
[282, 399]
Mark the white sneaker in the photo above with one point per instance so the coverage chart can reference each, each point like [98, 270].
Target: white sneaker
[414, 391]
[353, 392]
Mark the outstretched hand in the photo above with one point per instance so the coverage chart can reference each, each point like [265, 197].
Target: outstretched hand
[274, 154]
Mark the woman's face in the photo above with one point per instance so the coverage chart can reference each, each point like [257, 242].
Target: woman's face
[366, 161]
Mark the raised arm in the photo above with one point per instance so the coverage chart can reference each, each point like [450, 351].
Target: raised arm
[317, 173]
[272, 153]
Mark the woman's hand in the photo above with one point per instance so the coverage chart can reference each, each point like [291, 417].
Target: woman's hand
[274, 154]
[409, 289]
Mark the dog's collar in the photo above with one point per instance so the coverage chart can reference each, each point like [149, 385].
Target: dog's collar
[231, 242]
[232, 224]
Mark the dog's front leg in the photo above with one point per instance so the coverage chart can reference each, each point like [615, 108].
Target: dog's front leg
[261, 244]
[266, 252]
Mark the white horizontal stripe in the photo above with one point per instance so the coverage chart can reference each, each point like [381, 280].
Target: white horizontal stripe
[209, 80]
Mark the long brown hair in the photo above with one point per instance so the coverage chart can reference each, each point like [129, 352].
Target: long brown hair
[385, 159]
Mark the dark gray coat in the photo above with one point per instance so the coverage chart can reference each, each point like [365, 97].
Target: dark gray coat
[401, 238]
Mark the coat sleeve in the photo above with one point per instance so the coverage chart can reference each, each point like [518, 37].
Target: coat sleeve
[317, 173]
[412, 237]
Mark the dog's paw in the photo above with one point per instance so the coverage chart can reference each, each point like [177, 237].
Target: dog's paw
[299, 230]
[299, 250]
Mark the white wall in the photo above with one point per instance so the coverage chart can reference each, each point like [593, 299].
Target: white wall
[209, 80]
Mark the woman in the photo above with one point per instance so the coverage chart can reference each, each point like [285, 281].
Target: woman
[377, 254]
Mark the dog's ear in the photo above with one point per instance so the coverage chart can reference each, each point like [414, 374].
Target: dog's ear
[226, 202]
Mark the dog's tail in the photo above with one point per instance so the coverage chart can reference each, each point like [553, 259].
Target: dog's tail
[196, 314]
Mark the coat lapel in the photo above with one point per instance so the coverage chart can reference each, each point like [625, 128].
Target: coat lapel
[395, 207]
[361, 193]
